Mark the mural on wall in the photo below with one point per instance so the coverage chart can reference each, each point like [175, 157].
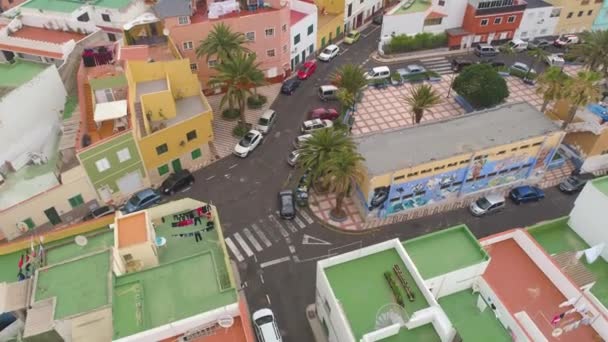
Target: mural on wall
[491, 173]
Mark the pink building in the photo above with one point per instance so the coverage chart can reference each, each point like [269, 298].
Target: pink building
[8, 4]
[265, 23]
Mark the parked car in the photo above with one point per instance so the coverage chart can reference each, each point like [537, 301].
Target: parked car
[266, 326]
[378, 73]
[99, 212]
[248, 143]
[526, 193]
[176, 182]
[556, 59]
[566, 40]
[485, 50]
[492, 62]
[266, 121]
[487, 204]
[292, 158]
[411, 70]
[310, 126]
[299, 140]
[352, 37]
[329, 53]
[328, 92]
[539, 44]
[517, 45]
[140, 200]
[378, 19]
[289, 87]
[460, 63]
[324, 114]
[307, 69]
[287, 205]
[574, 184]
[522, 67]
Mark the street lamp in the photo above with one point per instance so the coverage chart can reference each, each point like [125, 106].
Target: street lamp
[451, 84]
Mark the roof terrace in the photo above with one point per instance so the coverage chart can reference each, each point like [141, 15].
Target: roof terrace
[69, 6]
[18, 73]
[411, 6]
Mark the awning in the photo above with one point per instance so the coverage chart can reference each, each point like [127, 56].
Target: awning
[146, 18]
[110, 110]
[435, 15]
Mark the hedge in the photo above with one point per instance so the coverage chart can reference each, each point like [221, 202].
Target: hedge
[421, 41]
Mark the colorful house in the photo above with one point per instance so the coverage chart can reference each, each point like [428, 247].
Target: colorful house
[486, 21]
[412, 17]
[601, 20]
[464, 155]
[540, 19]
[330, 19]
[170, 116]
[303, 28]
[576, 15]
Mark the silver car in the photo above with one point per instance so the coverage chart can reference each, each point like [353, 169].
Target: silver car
[292, 159]
[487, 204]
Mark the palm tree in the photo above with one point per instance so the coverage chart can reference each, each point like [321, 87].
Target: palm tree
[539, 56]
[593, 51]
[222, 42]
[316, 151]
[421, 98]
[551, 85]
[351, 78]
[345, 167]
[238, 74]
[580, 91]
[347, 100]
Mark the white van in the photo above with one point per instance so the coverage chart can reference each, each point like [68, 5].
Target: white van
[328, 92]
[266, 121]
[378, 73]
[266, 326]
[518, 45]
[485, 50]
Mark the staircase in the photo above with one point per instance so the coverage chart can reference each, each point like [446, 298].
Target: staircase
[88, 108]
[439, 65]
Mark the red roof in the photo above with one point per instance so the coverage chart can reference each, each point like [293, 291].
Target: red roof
[296, 16]
[134, 53]
[44, 35]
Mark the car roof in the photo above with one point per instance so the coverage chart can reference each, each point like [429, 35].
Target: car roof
[286, 192]
[144, 193]
[494, 198]
[382, 67]
[253, 131]
[332, 46]
[415, 66]
[328, 87]
[262, 313]
[304, 137]
[309, 63]
[267, 114]
[312, 122]
[520, 64]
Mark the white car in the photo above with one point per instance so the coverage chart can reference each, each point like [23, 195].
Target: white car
[300, 140]
[329, 53]
[293, 157]
[556, 59]
[266, 326]
[248, 143]
[315, 124]
[266, 121]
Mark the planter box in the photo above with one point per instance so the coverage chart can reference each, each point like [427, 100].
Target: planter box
[504, 73]
[434, 79]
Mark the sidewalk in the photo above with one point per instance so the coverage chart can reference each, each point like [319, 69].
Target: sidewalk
[416, 55]
[315, 324]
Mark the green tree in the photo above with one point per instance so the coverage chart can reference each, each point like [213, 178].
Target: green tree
[238, 75]
[346, 99]
[580, 91]
[593, 51]
[351, 78]
[344, 168]
[481, 86]
[420, 99]
[539, 56]
[550, 85]
[222, 42]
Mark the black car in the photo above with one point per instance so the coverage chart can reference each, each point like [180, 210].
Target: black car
[99, 212]
[460, 63]
[378, 19]
[290, 86]
[574, 183]
[176, 182]
[287, 205]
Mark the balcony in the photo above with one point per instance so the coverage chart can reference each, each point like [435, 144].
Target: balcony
[229, 9]
[489, 7]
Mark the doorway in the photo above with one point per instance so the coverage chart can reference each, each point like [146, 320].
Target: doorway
[177, 165]
[303, 55]
[359, 20]
[52, 215]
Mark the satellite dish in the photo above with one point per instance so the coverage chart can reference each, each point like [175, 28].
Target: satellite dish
[225, 321]
[81, 240]
[22, 227]
[166, 31]
[391, 314]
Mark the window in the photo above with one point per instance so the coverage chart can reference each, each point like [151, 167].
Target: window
[477, 158]
[196, 154]
[361, 1]
[526, 165]
[406, 197]
[311, 49]
[83, 17]
[269, 32]
[484, 22]
[433, 21]
[440, 167]
[590, 12]
[311, 28]
[456, 183]
[106, 18]
[466, 161]
[193, 66]
[452, 164]
[569, 15]
[102, 164]
[523, 147]
[250, 36]
[556, 12]
[285, 48]
[580, 13]
[441, 3]
[514, 149]
[296, 39]
[284, 28]
[497, 20]
[515, 168]
[412, 174]
[160, 149]
[585, 2]
[187, 45]
[128, 257]
[511, 19]
[426, 171]
[212, 62]
[350, 10]
[76, 201]
[111, 37]
[183, 20]
[398, 178]
[537, 143]
[501, 152]
[29, 223]
[123, 155]
[163, 170]
[395, 199]
[492, 174]
[502, 172]
[191, 135]
[270, 53]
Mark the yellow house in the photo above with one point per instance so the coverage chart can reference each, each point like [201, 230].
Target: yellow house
[330, 21]
[576, 15]
[462, 156]
[170, 115]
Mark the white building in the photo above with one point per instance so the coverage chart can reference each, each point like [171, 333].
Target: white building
[415, 16]
[303, 31]
[540, 19]
[356, 12]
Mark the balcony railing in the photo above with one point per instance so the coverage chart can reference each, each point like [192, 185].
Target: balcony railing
[500, 6]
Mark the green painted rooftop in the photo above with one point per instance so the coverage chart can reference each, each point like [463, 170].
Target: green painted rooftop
[69, 6]
[445, 251]
[556, 236]
[413, 6]
[360, 287]
[18, 73]
[601, 184]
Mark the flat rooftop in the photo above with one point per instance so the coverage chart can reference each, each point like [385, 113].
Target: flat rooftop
[384, 152]
[556, 236]
[148, 87]
[69, 6]
[16, 74]
[445, 251]
[601, 184]
[412, 6]
[132, 229]
[360, 287]
[295, 17]
[45, 35]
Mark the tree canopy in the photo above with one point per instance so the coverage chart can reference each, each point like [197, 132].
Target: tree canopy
[481, 86]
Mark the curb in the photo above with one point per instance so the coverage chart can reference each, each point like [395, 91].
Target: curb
[375, 56]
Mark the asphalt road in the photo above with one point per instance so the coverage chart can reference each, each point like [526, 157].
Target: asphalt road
[279, 268]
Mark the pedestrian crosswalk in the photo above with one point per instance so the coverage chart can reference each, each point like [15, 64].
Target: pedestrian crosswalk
[264, 233]
[439, 65]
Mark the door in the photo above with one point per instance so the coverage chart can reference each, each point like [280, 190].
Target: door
[177, 165]
[303, 55]
[323, 42]
[359, 20]
[491, 37]
[52, 215]
[129, 183]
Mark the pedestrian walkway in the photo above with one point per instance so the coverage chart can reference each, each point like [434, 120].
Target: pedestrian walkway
[267, 231]
[322, 204]
[439, 65]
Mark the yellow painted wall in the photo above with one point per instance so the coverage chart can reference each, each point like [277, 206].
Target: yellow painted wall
[160, 106]
[575, 23]
[325, 29]
[330, 6]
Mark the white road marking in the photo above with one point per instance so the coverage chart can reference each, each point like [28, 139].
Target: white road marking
[252, 239]
[268, 229]
[291, 226]
[300, 223]
[306, 217]
[268, 299]
[261, 234]
[233, 249]
[311, 240]
[278, 224]
[274, 262]
[243, 244]
[262, 278]
[232, 166]
[210, 177]
[292, 249]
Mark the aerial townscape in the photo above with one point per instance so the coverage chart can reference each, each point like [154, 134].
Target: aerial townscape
[303, 170]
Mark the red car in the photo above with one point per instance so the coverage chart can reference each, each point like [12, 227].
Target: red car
[307, 69]
[323, 114]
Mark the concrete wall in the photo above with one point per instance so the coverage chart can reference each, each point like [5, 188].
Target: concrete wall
[455, 281]
[365, 7]
[587, 218]
[301, 27]
[536, 22]
[397, 24]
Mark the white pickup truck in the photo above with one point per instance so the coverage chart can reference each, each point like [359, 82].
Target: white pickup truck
[556, 59]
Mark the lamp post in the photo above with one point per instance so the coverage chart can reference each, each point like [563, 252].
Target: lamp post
[451, 84]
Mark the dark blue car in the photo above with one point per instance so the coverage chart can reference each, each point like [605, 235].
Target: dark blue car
[290, 86]
[526, 193]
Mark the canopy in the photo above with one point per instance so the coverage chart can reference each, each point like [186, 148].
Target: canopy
[146, 18]
[110, 110]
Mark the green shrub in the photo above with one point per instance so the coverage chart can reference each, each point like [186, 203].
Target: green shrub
[231, 114]
[417, 77]
[421, 41]
[241, 129]
[255, 102]
[395, 76]
[432, 73]
[481, 86]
